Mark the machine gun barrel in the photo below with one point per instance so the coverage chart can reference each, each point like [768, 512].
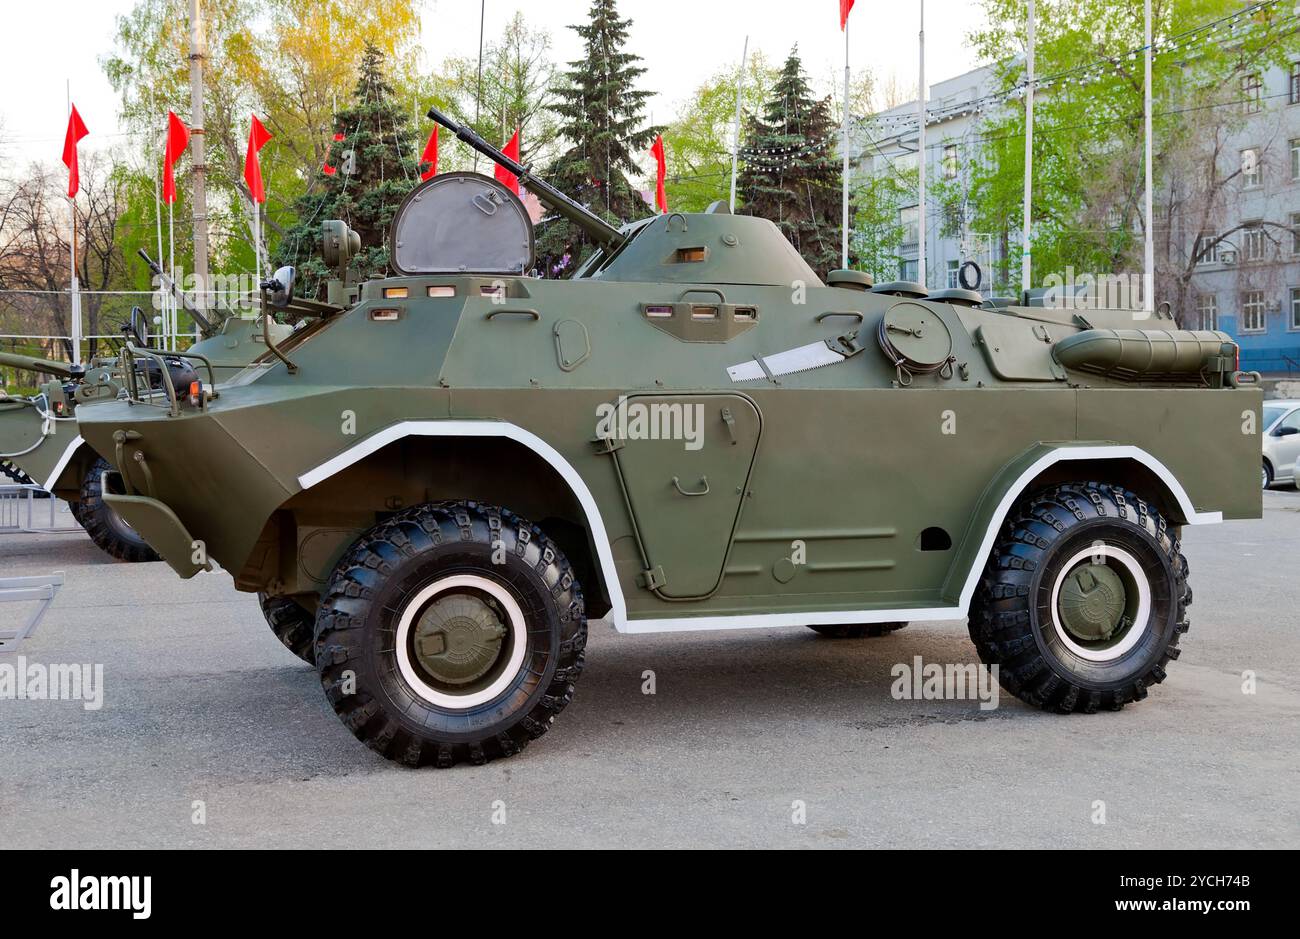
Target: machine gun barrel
[596, 227]
[32, 364]
[155, 268]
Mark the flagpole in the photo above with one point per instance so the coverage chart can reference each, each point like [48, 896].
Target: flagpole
[170, 316]
[920, 158]
[735, 139]
[844, 147]
[72, 260]
[157, 215]
[1026, 251]
[478, 88]
[1149, 280]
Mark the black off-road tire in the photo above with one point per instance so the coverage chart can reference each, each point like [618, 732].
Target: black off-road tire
[292, 624]
[113, 535]
[1011, 617]
[857, 630]
[379, 584]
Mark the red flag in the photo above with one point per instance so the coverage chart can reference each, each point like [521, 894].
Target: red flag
[505, 176]
[661, 171]
[845, 7]
[178, 138]
[257, 138]
[430, 155]
[326, 168]
[76, 130]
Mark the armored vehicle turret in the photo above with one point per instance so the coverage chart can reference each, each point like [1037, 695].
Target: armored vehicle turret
[443, 483]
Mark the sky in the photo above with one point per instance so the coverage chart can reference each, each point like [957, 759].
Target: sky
[682, 42]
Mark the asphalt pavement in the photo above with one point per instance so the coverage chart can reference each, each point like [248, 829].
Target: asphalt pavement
[211, 734]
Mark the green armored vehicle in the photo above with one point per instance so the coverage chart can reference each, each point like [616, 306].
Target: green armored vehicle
[39, 442]
[446, 481]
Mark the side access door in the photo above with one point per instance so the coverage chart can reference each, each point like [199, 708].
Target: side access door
[684, 462]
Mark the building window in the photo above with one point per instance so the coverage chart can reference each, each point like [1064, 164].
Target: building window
[950, 161]
[954, 267]
[910, 219]
[1295, 308]
[1295, 159]
[1295, 232]
[907, 270]
[952, 219]
[1253, 242]
[1207, 310]
[1252, 91]
[1250, 170]
[1206, 250]
[1252, 311]
[1294, 96]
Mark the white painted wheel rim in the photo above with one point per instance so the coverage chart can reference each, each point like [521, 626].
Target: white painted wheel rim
[518, 636]
[1141, 619]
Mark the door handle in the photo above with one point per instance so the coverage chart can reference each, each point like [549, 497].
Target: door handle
[704, 480]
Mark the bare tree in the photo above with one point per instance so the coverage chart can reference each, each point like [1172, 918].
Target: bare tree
[35, 246]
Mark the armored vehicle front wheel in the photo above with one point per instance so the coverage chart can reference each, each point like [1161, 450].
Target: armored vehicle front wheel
[857, 630]
[106, 528]
[1083, 601]
[292, 624]
[450, 633]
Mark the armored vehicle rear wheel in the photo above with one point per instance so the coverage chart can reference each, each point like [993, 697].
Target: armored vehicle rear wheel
[857, 630]
[292, 624]
[1083, 601]
[106, 528]
[451, 633]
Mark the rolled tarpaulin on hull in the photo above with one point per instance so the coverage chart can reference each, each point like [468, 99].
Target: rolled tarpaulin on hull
[1142, 353]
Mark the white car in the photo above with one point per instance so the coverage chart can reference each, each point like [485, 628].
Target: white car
[1281, 441]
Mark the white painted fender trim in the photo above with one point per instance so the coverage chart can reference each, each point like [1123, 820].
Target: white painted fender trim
[605, 554]
[73, 445]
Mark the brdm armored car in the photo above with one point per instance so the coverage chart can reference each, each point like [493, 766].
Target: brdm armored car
[435, 484]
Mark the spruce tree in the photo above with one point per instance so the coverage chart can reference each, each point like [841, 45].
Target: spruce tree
[600, 113]
[377, 134]
[791, 175]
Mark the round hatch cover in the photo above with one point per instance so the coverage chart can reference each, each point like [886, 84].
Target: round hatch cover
[461, 223]
[918, 334]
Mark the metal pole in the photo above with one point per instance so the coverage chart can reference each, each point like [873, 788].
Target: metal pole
[198, 157]
[1026, 253]
[844, 147]
[735, 138]
[169, 313]
[1149, 281]
[72, 258]
[478, 90]
[920, 158]
[157, 205]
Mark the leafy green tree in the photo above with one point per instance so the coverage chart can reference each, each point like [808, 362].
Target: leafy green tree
[516, 92]
[1088, 133]
[600, 111]
[791, 174]
[377, 134]
[698, 144]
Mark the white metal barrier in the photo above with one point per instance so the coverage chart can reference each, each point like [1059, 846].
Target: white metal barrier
[40, 591]
[28, 508]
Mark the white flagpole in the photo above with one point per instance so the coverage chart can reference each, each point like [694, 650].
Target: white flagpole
[72, 261]
[735, 139]
[844, 148]
[257, 241]
[1026, 244]
[157, 215]
[169, 317]
[920, 158]
[1149, 281]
